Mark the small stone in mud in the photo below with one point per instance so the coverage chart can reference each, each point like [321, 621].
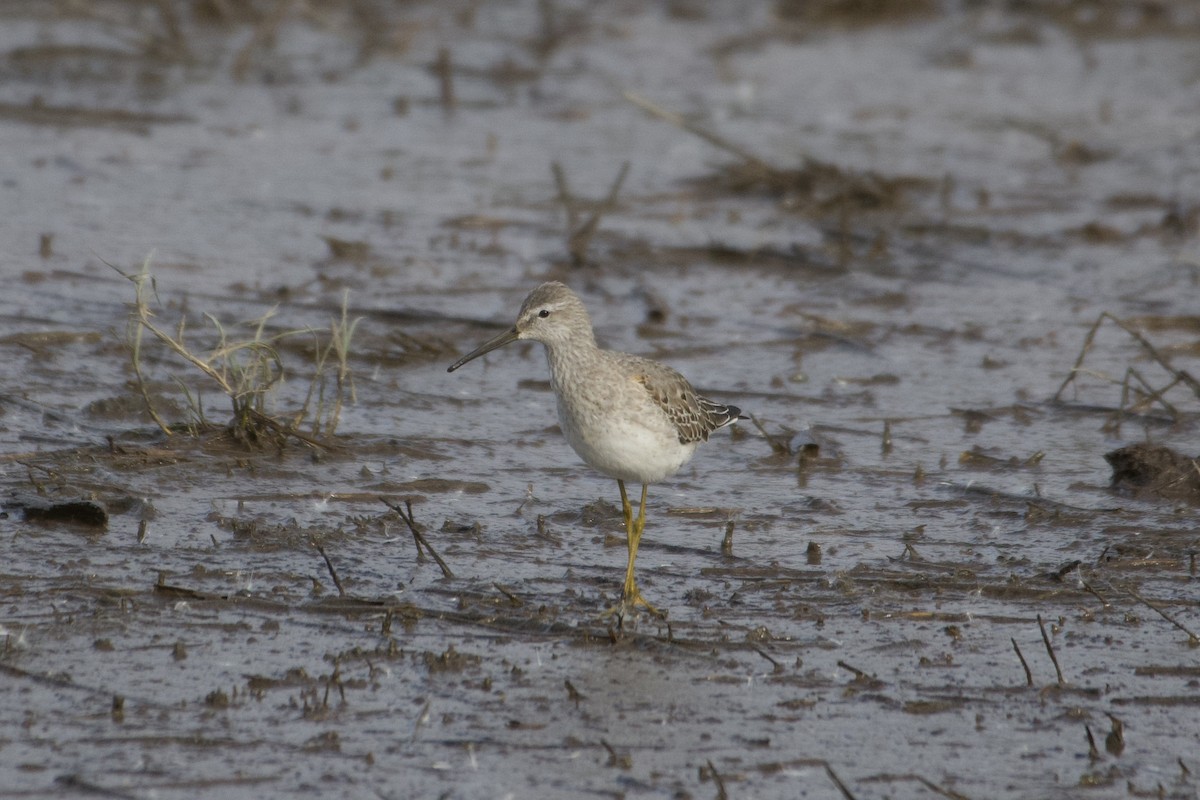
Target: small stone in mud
[450, 661]
[599, 512]
[1155, 469]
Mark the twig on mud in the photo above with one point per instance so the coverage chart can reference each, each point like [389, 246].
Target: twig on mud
[679, 121]
[335, 679]
[332, 572]
[573, 694]
[1050, 650]
[717, 779]
[1093, 751]
[1087, 587]
[418, 537]
[84, 786]
[30, 467]
[1114, 742]
[822, 187]
[1028, 674]
[777, 667]
[1150, 392]
[580, 236]
[512, 598]
[837, 781]
[859, 675]
[1077, 367]
[779, 446]
[933, 787]
[564, 195]
[1193, 640]
[1179, 375]
[1061, 572]
[614, 760]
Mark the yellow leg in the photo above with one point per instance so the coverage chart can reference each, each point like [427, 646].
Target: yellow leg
[626, 508]
[631, 597]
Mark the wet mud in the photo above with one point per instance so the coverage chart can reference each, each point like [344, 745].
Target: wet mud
[260, 544]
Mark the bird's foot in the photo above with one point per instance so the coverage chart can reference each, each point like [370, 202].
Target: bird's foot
[628, 606]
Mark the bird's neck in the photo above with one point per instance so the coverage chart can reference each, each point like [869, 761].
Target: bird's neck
[568, 357]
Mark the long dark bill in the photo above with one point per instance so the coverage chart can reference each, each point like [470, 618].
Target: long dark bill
[507, 337]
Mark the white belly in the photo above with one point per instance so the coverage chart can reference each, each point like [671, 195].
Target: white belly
[625, 449]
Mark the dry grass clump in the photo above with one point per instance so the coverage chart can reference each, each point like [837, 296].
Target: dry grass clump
[1141, 391]
[246, 370]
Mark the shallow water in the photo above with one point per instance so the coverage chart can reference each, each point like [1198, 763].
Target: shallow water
[1002, 177]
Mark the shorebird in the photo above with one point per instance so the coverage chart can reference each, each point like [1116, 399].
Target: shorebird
[628, 417]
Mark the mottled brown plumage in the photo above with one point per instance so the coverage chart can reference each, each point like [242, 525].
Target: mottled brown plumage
[694, 416]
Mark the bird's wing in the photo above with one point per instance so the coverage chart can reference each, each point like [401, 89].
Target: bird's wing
[693, 416]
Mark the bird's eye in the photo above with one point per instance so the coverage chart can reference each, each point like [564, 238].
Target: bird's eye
[545, 312]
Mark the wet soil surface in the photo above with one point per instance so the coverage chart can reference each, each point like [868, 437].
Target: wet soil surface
[945, 256]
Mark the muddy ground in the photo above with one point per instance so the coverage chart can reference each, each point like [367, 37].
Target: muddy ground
[885, 230]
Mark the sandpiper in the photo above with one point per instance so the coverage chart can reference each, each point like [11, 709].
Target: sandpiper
[628, 417]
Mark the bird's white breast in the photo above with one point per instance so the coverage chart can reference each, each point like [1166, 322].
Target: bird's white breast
[630, 442]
